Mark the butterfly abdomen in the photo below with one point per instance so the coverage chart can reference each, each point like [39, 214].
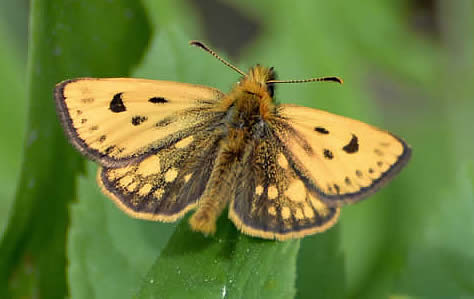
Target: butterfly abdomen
[234, 149]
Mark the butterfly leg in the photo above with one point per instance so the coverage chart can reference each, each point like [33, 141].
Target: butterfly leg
[219, 190]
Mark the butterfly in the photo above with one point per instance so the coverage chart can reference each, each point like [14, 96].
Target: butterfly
[166, 148]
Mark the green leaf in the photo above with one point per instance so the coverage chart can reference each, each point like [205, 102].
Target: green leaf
[228, 265]
[321, 266]
[444, 252]
[12, 117]
[61, 45]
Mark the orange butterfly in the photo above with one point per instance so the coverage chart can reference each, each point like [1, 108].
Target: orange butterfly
[167, 147]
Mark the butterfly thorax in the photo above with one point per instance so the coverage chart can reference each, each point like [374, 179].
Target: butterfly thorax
[250, 103]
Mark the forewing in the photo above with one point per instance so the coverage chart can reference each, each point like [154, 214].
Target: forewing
[163, 185]
[272, 202]
[341, 159]
[115, 120]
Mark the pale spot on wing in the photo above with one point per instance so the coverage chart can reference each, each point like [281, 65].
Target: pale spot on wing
[187, 177]
[184, 142]
[171, 175]
[132, 186]
[282, 161]
[125, 181]
[150, 165]
[285, 212]
[319, 205]
[145, 189]
[308, 212]
[158, 193]
[272, 211]
[299, 214]
[116, 173]
[272, 192]
[259, 190]
[111, 176]
[296, 191]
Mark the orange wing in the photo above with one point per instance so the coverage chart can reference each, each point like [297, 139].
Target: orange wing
[115, 120]
[340, 159]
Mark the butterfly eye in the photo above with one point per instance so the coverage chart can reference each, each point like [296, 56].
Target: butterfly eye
[271, 76]
[271, 89]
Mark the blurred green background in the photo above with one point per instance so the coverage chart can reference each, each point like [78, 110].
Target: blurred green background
[408, 67]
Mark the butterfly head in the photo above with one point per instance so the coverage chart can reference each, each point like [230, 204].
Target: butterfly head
[257, 80]
[261, 75]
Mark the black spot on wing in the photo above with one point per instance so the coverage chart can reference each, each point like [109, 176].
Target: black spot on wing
[352, 146]
[116, 105]
[328, 154]
[109, 150]
[138, 120]
[158, 100]
[378, 152]
[321, 130]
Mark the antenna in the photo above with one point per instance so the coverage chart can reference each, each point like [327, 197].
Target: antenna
[208, 50]
[330, 79]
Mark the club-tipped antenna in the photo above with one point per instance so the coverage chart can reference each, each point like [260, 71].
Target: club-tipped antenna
[208, 50]
[330, 79]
